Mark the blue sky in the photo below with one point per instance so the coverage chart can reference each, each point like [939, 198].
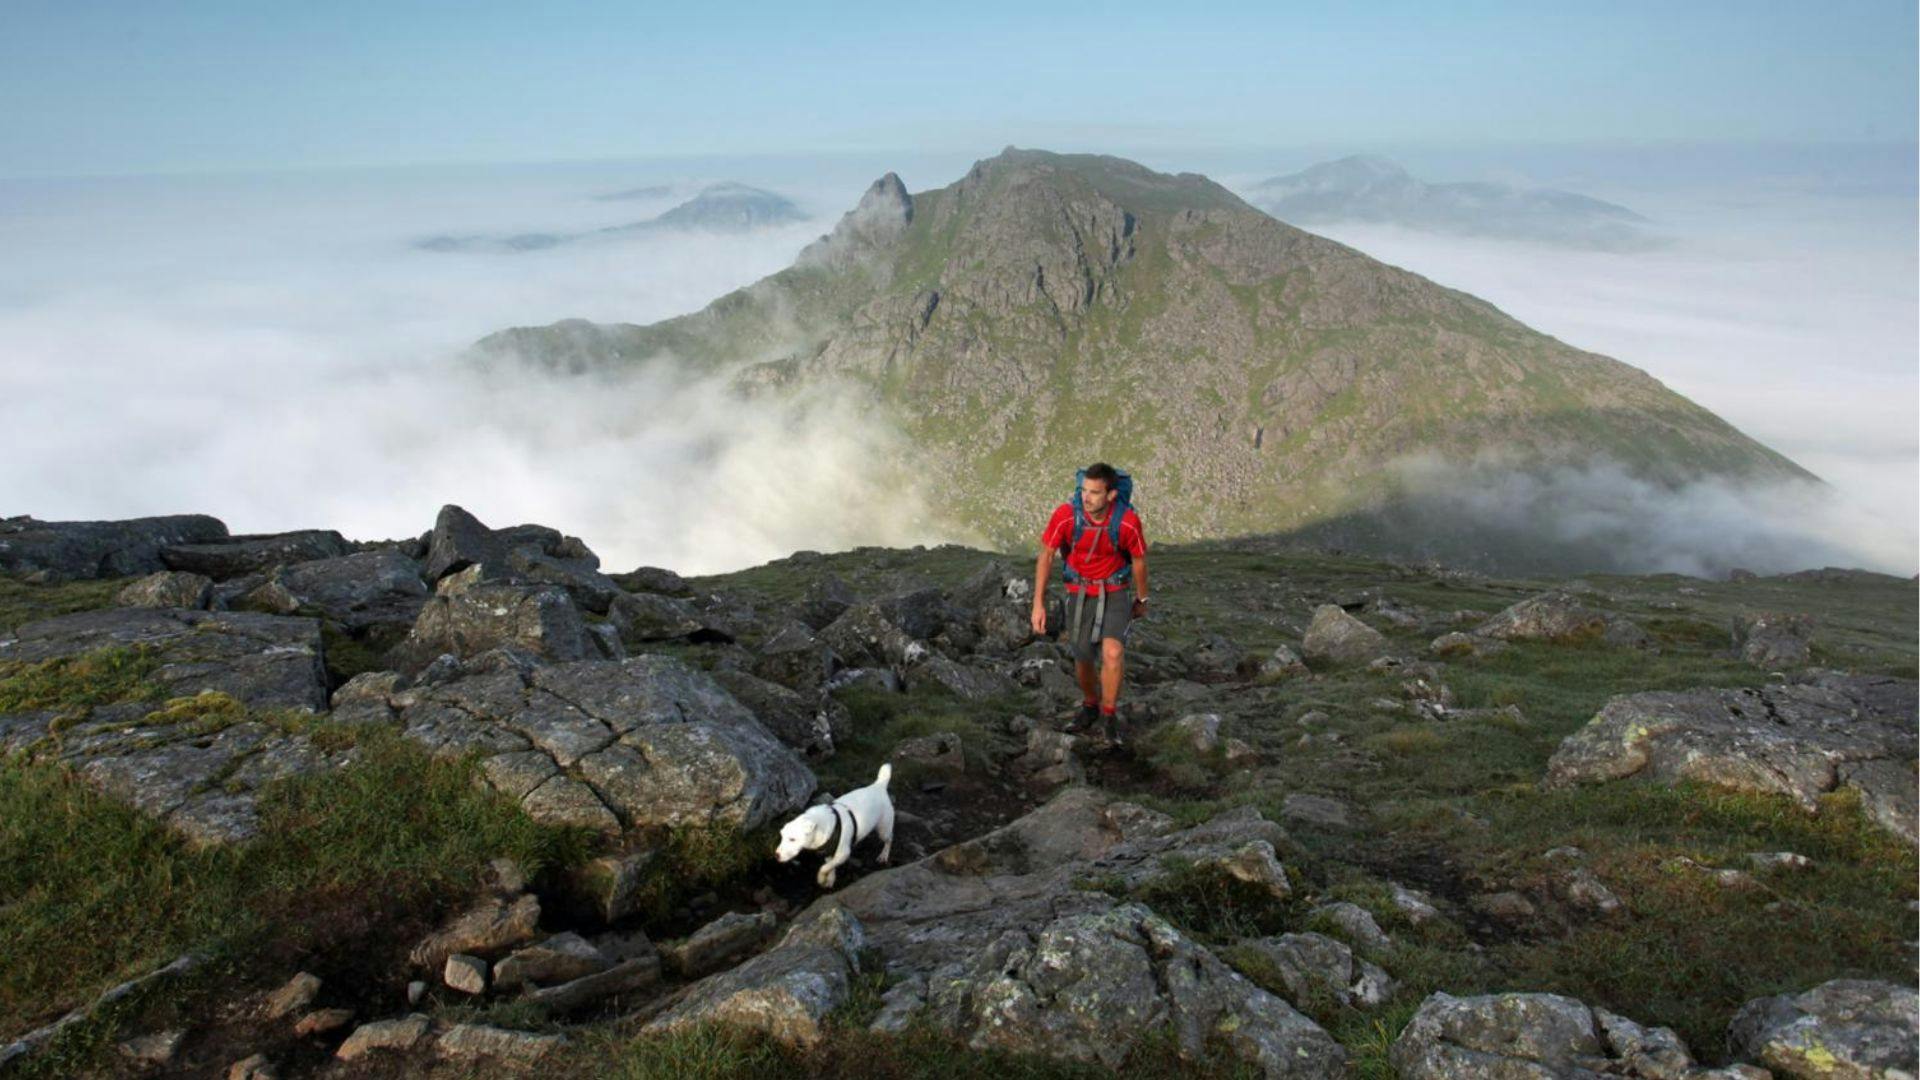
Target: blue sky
[114, 88]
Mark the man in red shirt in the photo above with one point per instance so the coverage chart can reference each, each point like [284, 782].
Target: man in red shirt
[1094, 613]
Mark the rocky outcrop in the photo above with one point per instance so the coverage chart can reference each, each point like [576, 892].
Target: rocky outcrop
[1336, 637]
[468, 615]
[1802, 740]
[66, 550]
[1090, 986]
[167, 588]
[1847, 1027]
[610, 744]
[787, 991]
[811, 722]
[1544, 1036]
[1075, 973]
[189, 755]
[360, 590]
[237, 555]
[1560, 617]
[1315, 965]
[260, 660]
[718, 943]
[863, 233]
[1774, 641]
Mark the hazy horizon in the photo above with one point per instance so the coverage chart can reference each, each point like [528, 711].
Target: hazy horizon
[269, 348]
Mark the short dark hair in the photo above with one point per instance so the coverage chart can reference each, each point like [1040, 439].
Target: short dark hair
[1104, 473]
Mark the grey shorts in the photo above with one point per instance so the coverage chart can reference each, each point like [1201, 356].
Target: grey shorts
[1081, 635]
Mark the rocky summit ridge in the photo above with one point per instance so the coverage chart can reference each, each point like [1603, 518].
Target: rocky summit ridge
[1356, 818]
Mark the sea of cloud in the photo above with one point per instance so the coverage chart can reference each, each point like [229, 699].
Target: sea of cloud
[272, 349]
[1789, 305]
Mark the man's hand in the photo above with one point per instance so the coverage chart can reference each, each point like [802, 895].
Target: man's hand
[1039, 618]
[1139, 607]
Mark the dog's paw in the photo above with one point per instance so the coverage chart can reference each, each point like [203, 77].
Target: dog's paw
[825, 879]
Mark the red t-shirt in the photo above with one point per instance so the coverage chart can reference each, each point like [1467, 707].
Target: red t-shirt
[1094, 557]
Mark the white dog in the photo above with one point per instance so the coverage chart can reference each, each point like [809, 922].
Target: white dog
[842, 823]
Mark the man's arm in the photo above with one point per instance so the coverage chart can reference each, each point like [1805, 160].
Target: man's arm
[1041, 569]
[1139, 583]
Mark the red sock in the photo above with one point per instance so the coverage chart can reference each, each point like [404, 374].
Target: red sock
[1107, 710]
[1090, 703]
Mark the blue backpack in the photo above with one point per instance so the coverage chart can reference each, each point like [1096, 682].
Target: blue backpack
[1123, 501]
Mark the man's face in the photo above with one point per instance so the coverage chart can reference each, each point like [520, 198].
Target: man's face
[1094, 496]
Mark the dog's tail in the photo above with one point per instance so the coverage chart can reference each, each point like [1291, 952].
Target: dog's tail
[886, 774]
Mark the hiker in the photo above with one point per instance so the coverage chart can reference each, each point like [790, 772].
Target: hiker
[1098, 534]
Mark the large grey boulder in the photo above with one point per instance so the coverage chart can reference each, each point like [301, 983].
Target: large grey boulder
[467, 616]
[968, 682]
[532, 555]
[237, 555]
[1335, 637]
[358, 590]
[1774, 641]
[167, 588]
[793, 657]
[786, 992]
[999, 599]
[458, 541]
[1091, 986]
[1825, 732]
[65, 550]
[1846, 1027]
[1313, 965]
[1544, 1036]
[1560, 617]
[864, 637]
[646, 741]
[652, 579]
[826, 599]
[643, 618]
[810, 723]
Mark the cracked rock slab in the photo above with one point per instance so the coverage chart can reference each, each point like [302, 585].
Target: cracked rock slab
[1801, 740]
[1547, 1036]
[1088, 987]
[265, 661]
[1846, 1027]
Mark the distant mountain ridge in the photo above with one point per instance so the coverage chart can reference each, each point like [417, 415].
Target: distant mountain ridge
[724, 207]
[1047, 310]
[1373, 189]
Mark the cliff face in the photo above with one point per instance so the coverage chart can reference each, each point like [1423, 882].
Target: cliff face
[1046, 310]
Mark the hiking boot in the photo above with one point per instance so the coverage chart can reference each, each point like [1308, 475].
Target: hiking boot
[1083, 718]
[1114, 731]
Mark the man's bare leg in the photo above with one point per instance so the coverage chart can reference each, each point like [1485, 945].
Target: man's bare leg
[1089, 682]
[1113, 664]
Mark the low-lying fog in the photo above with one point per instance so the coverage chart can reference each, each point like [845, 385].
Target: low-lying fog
[273, 349]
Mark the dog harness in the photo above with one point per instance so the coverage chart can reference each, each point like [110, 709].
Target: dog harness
[846, 833]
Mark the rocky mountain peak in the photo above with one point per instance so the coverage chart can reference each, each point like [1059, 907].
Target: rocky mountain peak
[875, 222]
